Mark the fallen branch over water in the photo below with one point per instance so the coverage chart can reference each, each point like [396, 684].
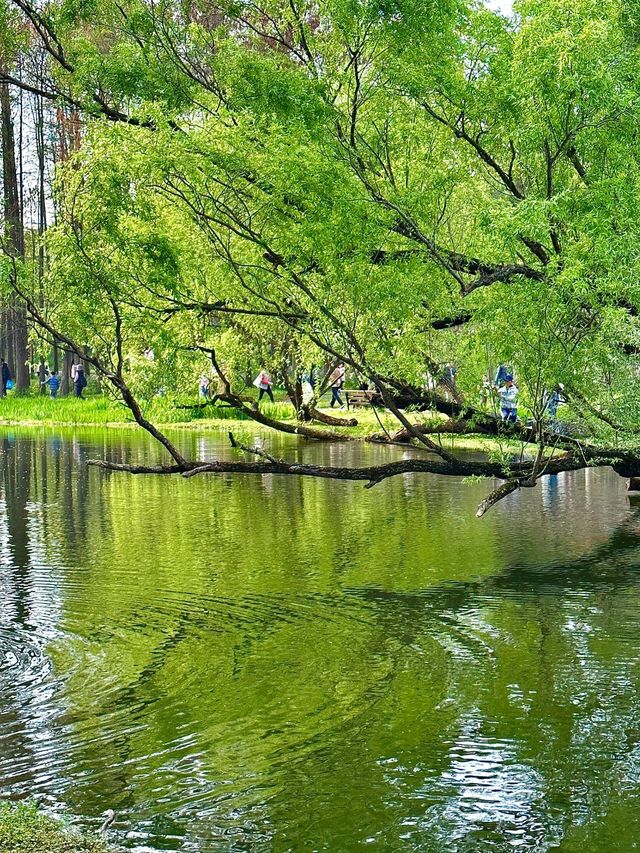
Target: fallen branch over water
[439, 461]
[514, 475]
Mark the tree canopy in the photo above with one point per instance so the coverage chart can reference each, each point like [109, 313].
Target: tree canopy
[393, 184]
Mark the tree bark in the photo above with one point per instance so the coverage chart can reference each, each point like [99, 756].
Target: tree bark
[323, 418]
[17, 336]
[65, 379]
[42, 375]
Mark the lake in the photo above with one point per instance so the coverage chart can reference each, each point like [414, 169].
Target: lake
[274, 664]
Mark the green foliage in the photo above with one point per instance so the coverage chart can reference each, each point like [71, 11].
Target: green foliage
[313, 183]
[23, 829]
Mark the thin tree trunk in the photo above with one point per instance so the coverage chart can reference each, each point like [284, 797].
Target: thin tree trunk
[42, 192]
[17, 338]
[42, 375]
[65, 379]
[42, 219]
[21, 346]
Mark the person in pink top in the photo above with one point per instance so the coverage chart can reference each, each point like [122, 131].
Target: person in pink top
[336, 381]
[263, 383]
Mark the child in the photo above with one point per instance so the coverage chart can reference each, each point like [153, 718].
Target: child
[54, 383]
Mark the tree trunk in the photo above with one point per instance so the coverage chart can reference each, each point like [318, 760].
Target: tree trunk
[17, 338]
[42, 193]
[313, 414]
[65, 379]
[21, 346]
[42, 375]
[293, 389]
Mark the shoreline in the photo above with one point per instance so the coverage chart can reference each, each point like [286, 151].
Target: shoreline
[25, 828]
[469, 443]
[100, 412]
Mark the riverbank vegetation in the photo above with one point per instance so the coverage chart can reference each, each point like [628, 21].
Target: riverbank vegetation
[105, 410]
[24, 829]
[399, 187]
[102, 411]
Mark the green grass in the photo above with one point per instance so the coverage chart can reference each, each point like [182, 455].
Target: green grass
[100, 409]
[68, 410]
[23, 829]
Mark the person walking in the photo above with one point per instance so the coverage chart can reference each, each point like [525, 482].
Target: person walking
[204, 386]
[5, 378]
[79, 381]
[263, 382]
[336, 381]
[508, 394]
[53, 382]
[552, 401]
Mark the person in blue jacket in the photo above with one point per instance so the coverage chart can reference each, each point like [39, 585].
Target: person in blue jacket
[501, 375]
[509, 400]
[53, 382]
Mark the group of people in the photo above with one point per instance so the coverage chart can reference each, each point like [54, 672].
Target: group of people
[264, 384]
[78, 380]
[52, 379]
[503, 386]
[507, 390]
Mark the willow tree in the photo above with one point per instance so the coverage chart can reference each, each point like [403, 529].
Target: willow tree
[391, 184]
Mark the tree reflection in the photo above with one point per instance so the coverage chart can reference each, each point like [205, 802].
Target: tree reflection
[313, 662]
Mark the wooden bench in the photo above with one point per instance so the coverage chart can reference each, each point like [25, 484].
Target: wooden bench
[362, 398]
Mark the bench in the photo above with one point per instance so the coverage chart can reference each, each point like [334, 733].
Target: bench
[562, 428]
[362, 398]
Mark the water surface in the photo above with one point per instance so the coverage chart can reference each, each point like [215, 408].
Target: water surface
[271, 664]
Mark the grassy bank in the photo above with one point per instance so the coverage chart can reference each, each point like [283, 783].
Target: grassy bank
[98, 410]
[103, 411]
[23, 829]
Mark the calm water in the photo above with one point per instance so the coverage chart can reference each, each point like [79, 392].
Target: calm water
[267, 664]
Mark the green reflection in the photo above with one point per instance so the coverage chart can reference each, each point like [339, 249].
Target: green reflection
[277, 664]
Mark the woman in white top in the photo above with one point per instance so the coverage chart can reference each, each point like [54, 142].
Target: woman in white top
[509, 399]
[263, 383]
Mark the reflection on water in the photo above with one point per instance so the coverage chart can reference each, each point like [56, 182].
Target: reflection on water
[284, 664]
